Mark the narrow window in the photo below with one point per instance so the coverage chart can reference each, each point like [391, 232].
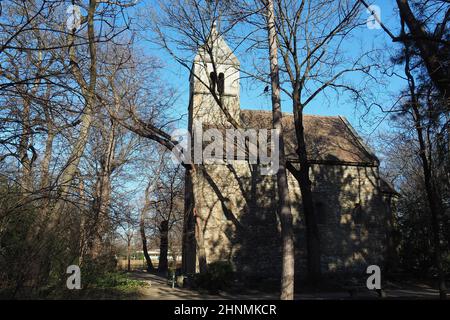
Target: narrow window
[221, 83]
[213, 77]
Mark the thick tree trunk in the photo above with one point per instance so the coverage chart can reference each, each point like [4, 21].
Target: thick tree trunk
[302, 176]
[163, 246]
[434, 204]
[284, 210]
[189, 240]
[88, 91]
[434, 200]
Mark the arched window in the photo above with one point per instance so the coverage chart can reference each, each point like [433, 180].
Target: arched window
[217, 83]
[221, 83]
[213, 78]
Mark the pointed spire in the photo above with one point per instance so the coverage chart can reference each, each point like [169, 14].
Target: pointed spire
[216, 43]
[213, 34]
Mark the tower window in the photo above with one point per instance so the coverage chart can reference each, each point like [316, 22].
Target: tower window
[217, 83]
[213, 78]
[221, 83]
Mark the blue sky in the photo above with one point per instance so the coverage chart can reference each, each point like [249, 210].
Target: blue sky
[367, 124]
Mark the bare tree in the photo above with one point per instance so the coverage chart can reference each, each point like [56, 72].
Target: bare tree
[128, 226]
[426, 67]
[423, 122]
[51, 85]
[428, 35]
[284, 210]
[168, 209]
[306, 32]
[148, 204]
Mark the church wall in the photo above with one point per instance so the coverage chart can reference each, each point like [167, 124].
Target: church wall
[237, 205]
[213, 114]
[351, 217]
[237, 208]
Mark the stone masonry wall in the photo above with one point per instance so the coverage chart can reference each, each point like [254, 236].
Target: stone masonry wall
[236, 206]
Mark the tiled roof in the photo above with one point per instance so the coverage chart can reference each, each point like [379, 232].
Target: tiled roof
[329, 139]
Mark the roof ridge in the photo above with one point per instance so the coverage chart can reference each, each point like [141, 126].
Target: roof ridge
[292, 114]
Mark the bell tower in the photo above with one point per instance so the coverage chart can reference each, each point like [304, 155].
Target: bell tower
[214, 75]
[215, 68]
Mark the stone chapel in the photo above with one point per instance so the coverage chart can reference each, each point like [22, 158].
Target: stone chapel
[231, 208]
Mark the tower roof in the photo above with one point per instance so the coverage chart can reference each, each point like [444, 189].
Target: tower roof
[218, 48]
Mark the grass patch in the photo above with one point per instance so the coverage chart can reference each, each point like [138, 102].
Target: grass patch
[111, 285]
[118, 280]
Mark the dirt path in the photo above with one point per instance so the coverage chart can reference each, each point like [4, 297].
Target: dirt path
[158, 289]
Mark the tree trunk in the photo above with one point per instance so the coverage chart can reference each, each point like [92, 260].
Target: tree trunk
[100, 208]
[83, 237]
[284, 210]
[26, 180]
[435, 208]
[189, 240]
[392, 241]
[88, 91]
[129, 254]
[433, 198]
[202, 261]
[148, 260]
[163, 246]
[45, 164]
[302, 176]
